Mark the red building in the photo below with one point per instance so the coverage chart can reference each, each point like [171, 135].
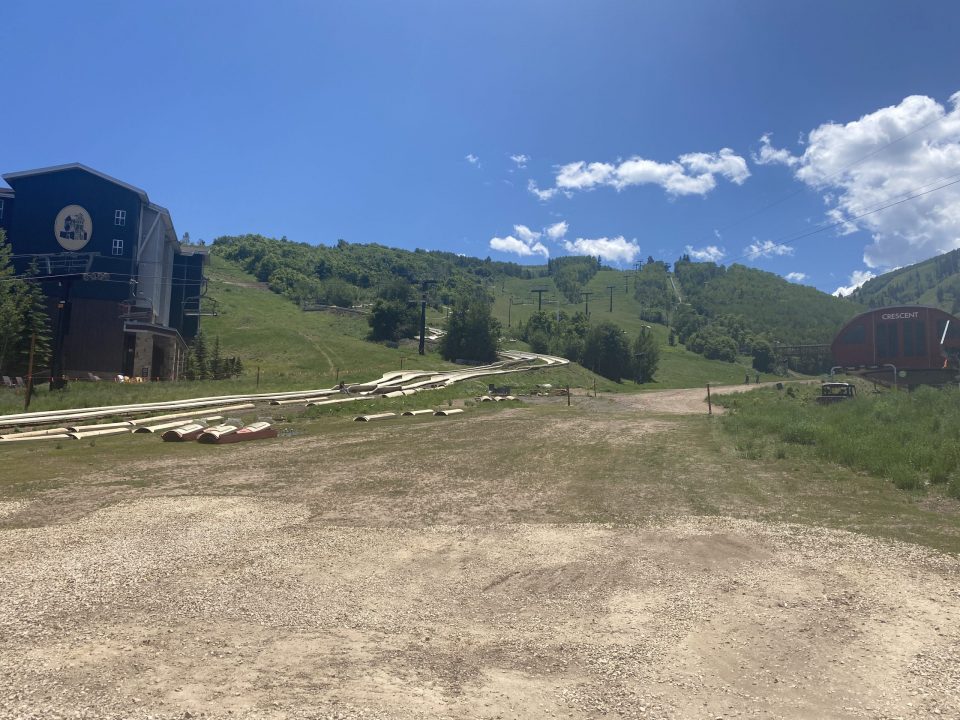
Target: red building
[921, 343]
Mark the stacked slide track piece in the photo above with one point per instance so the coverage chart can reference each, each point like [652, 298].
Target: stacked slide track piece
[233, 434]
[184, 433]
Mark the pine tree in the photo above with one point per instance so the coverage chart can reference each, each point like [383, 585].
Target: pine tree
[36, 323]
[216, 362]
[11, 314]
[189, 371]
[200, 359]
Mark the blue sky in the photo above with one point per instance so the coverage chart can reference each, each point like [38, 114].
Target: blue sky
[646, 128]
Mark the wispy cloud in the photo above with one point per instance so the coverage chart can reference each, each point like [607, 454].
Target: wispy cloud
[795, 277]
[557, 230]
[689, 174]
[769, 155]
[472, 159]
[710, 253]
[766, 248]
[520, 160]
[541, 194]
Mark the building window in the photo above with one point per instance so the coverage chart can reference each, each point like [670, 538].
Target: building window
[117, 247]
[120, 218]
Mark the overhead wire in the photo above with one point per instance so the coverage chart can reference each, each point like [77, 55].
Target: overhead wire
[832, 175]
[838, 223]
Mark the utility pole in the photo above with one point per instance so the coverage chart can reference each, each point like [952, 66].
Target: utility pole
[610, 288]
[626, 278]
[423, 314]
[539, 292]
[586, 302]
[60, 330]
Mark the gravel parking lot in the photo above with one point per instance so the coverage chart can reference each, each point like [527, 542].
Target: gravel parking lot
[235, 607]
[271, 590]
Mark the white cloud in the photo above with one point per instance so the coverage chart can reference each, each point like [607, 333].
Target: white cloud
[725, 163]
[616, 249]
[510, 244]
[795, 277]
[542, 194]
[526, 234]
[557, 230]
[885, 156]
[580, 175]
[690, 174]
[770, 155]
[766, 249]
[857, 278]
[472, 159]
[520, 160]
[710, 253]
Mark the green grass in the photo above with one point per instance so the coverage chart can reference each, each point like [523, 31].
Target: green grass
[293, 350]
[679, 368]
[911, 439]
[533, 463]
[297, 350]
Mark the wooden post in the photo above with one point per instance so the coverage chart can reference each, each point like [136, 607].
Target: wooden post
[258, 376]
[594, 387]
[709, 401]
[26, 400]
[568, 396]
[337, 381]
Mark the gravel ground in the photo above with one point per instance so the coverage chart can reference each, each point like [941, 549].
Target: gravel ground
[244, 607]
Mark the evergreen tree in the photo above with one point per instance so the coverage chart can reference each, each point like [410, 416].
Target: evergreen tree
[36, 323]
[189, 371]
[472, 331]
[216, 362]
[11, 311]
[606, 352]
[200, 359]
[646, 356]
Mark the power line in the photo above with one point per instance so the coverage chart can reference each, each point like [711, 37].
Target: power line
[829, 226]
[842, 170]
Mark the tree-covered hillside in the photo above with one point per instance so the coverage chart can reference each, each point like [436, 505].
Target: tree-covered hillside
[933, 282]
[718, 312]
[345, 273]
[765, 302]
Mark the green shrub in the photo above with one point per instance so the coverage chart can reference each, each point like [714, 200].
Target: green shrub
[908, 438]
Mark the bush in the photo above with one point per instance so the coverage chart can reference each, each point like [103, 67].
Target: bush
[472, 331]
[606, 352]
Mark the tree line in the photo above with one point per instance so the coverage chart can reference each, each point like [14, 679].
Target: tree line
[347, 273]
[603, 348]
[23, 317]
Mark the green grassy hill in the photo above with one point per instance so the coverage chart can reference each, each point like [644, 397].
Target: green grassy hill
[295, 348]
[678, 367]
[934, 282]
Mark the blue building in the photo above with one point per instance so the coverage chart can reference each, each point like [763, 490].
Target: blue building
[124, 295]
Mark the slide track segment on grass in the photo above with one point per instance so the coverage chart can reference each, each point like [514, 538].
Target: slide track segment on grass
[513, 361]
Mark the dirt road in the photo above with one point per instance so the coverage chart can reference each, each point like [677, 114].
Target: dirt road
[242, 586]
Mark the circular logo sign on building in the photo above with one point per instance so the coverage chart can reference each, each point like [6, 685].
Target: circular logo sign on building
[73, 228]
